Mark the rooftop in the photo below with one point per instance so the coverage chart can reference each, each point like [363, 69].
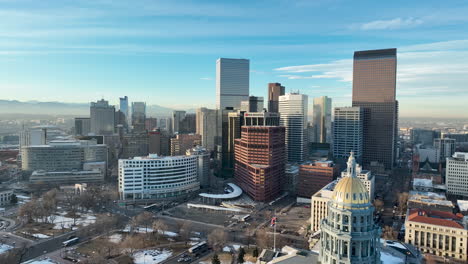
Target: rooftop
[439, 218]
[463, 205]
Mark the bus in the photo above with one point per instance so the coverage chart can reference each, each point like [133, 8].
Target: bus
[70, 242]
[198, 248]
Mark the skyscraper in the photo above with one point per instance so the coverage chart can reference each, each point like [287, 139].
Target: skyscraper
[82, 126]
[102, 117]
[253, 104]
[123, 107]
[293, 110]
[260, 161]
[321, 121]
[275, 90]
[138, 116]
[232, 82]
[177, 118]
[206, 126]
[445, 147]
[374, 89]
[348, 132]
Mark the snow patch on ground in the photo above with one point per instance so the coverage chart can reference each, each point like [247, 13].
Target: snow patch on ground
[128, 228]
[115, 238]
[388, 258]
[226, 249]
[40, 236]
[4, 248]
[61, 221]
[153, 256]
[43, 261]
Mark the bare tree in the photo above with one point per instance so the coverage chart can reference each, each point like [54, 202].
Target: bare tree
[379, 205]
[403, 201]
[262, 238]
[217, 238]
[185, 231]
[144, 219]
[159, 227]
[389, 233]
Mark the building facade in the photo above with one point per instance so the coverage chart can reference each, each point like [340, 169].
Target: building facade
[123, 107]
[206, 120]
[444, 147]
[102, 118]
[204, 172]
[275, 90]
[314, 176]
[293, 116]
[82, 126]
[348, 132]
[232, 82]
[159, 142]
[182, 142]
[253, 104]
[456, 174]
[349, 233]
[155, 177]
[439, 233]
[321, 121]
[260, 161]
[138, 116]
[151, 123]
[374, 89]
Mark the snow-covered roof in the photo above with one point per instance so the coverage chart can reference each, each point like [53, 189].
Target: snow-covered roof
[422, 182]
[463, 205]
[237, 191]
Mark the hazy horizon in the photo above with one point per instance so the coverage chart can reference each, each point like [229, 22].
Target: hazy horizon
[165, 52]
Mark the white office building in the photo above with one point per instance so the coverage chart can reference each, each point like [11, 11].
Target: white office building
[348, 132]
[154, 177]
[456, 174]
[293, 116]
[232, 82]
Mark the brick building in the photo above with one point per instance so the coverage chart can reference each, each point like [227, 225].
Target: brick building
[260, 161]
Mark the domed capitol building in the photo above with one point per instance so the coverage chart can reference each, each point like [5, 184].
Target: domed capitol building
[348, 233]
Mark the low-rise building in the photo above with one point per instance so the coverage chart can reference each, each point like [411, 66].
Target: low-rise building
[154, 177]
[319, 208]
[67, 177]
[313, 176]
[5, 196]
[439, 233]
[429, 201]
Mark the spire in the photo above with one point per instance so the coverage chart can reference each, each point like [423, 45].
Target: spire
[351, 165]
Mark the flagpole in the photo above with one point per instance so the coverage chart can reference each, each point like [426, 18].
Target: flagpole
[274, 234]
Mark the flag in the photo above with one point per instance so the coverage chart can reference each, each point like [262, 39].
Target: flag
[273, 221]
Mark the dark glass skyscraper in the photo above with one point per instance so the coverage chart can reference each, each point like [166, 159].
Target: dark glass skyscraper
[374, 89]
[275, 90]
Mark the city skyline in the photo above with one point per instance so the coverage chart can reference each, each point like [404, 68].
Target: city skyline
[153, 52]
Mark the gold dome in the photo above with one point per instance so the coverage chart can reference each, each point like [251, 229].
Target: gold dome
[350, 190]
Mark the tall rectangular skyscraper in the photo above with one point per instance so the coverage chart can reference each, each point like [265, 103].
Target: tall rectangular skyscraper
[275, 90]
[123, 107]
[232, 82]
[138, 116]
[374, 89]
[322, 119]
[102, 117]
[348, 133]
[293, 116]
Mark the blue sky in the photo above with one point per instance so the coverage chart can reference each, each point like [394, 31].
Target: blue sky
[164, 52]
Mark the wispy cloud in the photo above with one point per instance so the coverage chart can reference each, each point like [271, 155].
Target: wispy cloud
[426, 70]
[395, 23]
[339, 69]
[206, 78]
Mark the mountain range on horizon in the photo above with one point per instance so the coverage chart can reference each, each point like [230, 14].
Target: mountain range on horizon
[61, 108]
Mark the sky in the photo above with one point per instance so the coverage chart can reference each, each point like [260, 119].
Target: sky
[164, 52]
